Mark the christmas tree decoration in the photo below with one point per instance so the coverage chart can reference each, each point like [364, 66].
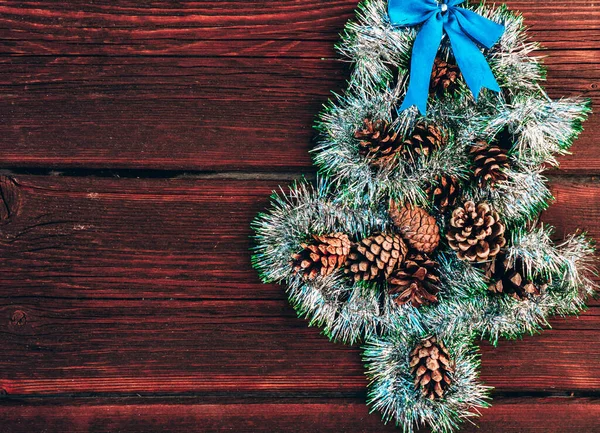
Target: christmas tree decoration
[416, 281]
[379, 143]
[419, 229]
[423, 140]
[511, 279]
[430, 364]
[445, 78]
[322, 256]
[421, 226]
[490, 163]
[443, 191]
[376, 257]
[475, 232]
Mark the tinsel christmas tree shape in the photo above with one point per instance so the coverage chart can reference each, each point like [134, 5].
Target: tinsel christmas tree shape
[353, 194]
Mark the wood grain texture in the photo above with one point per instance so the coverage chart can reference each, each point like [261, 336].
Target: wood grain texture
[177, 86]
[129, 304]
[535, 415]
[97, 347]
[95, 268]
[197, 28]
[159, 238]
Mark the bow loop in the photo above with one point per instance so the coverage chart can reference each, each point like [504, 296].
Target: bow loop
[486, 32]
[466, 30]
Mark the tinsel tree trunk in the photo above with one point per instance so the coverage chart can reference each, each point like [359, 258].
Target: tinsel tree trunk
[421, 233]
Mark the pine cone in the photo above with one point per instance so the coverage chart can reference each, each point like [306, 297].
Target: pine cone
[444, 77]
[417, 281]
[376, 257]
[511, 280]
[322, 256]
[476, 232]
[379, 143]
[444, 191]
[489, 163]
[430, 364]
[423, 140]
[416, 226]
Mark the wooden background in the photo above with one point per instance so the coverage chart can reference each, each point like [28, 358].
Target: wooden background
[137, 142]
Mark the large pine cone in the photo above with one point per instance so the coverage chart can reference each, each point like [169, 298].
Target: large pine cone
[376, 257]
[430, 364]
[322, 256]
[423, 140]
[379, 143]
[511, 280]
[444, 77]
[444, 191]
[476, 232]
[416, 281]
[416, 226]
[489, 163]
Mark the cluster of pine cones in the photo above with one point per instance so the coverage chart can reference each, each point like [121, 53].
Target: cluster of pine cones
[477, 234]
[474, 231]
[399, 257]
[383, 146]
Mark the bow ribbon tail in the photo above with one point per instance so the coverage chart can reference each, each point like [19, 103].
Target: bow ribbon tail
[424, 51]
[471, 61]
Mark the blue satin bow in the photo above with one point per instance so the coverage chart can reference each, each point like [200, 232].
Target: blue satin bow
[464, 28]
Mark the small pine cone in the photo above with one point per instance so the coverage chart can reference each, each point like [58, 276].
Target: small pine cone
[379, 143]
[489, 163]
[416, 226]
[430, 364]
[444, 77]
[423, 140]
[511, 280]
[322, 256]
[376, 257]
[444, 191]
[476, 232]
[416, 281]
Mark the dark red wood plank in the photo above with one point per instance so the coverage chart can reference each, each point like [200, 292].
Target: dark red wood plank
[130, 238]
[245, 28]
[56, 346]
[535, 415]
[198, 113]
[204, 114]
[133, 286]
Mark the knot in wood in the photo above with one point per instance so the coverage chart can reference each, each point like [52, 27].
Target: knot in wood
[9, 198]
[19, 318]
